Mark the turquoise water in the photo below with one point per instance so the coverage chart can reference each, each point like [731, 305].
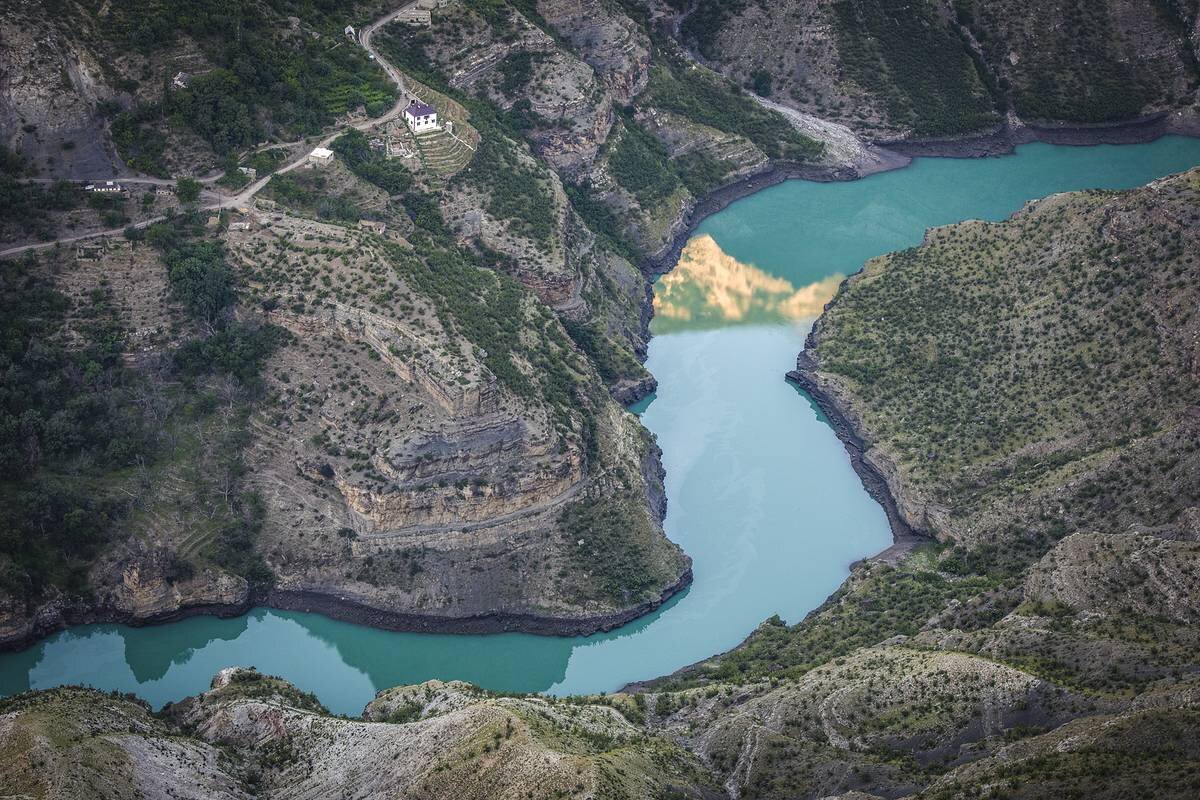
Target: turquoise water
[760, 492]
[804, 231]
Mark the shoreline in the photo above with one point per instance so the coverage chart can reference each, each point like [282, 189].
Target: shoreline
[489, 623]
[904, 536]
[1005, 139]
[59, 615]
[345, 610]
[889, 156]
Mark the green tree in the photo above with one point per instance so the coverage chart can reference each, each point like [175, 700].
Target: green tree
[187, 190]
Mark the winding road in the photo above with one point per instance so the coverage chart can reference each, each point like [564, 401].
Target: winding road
[244, 196]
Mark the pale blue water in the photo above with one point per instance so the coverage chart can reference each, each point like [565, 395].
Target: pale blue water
[804, 231]
[760, 492]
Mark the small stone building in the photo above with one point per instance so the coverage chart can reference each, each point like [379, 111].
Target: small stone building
[320, 157]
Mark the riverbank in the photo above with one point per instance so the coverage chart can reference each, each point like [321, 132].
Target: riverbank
[62, 614]
[1005, 139]
[776, 172]
[904, 536]
[20, 629]
[497, 622]
[886, 156]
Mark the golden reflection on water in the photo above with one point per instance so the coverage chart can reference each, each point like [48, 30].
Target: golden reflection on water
[710, 288]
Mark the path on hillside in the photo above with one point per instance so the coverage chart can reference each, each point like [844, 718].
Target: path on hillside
[254, 187]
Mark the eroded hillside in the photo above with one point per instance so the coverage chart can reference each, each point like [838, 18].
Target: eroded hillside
[384, 388]
[256, 736]
[1058, 597]
[936, 68]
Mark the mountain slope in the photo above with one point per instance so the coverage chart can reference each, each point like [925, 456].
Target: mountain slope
[1062, 579]
[890, 69]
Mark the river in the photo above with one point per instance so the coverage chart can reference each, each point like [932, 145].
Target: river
[760, 492]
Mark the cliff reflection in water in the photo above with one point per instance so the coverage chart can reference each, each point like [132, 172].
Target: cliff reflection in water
[710, 288]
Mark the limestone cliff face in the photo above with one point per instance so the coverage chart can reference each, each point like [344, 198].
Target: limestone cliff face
[135, 584]
[153, 586]
[397, 473]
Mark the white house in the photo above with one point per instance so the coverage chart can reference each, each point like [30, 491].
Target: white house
[108, 187]
[349, 31]
[320, 157]
[420, 117]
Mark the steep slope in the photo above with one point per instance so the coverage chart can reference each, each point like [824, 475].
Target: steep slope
[935, 68]
[94, 89]
[375, 423]
[1021, 376]
[1059, 601]
[409, 421]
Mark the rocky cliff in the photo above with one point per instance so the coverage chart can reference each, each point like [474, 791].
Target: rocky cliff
[385, 393]
[932, 69]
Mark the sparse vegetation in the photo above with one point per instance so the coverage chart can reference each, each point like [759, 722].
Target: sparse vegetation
[919, 67]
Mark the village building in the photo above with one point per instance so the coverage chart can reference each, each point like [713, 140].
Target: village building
[373, 225]
[164, 191]
[249, 172]
[90, 251]
[108, 187]
[349, 31]
[320, 157]
[181, 80]
[420, 117]
[416, 16]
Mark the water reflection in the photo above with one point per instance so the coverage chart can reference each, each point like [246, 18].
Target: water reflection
[710, 288]
[761, 494]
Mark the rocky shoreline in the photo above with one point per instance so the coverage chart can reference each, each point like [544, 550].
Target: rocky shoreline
[60, 615]
[1006, 138]
[777, 172]
[904, 536]
[495, 622]
[886, 156]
